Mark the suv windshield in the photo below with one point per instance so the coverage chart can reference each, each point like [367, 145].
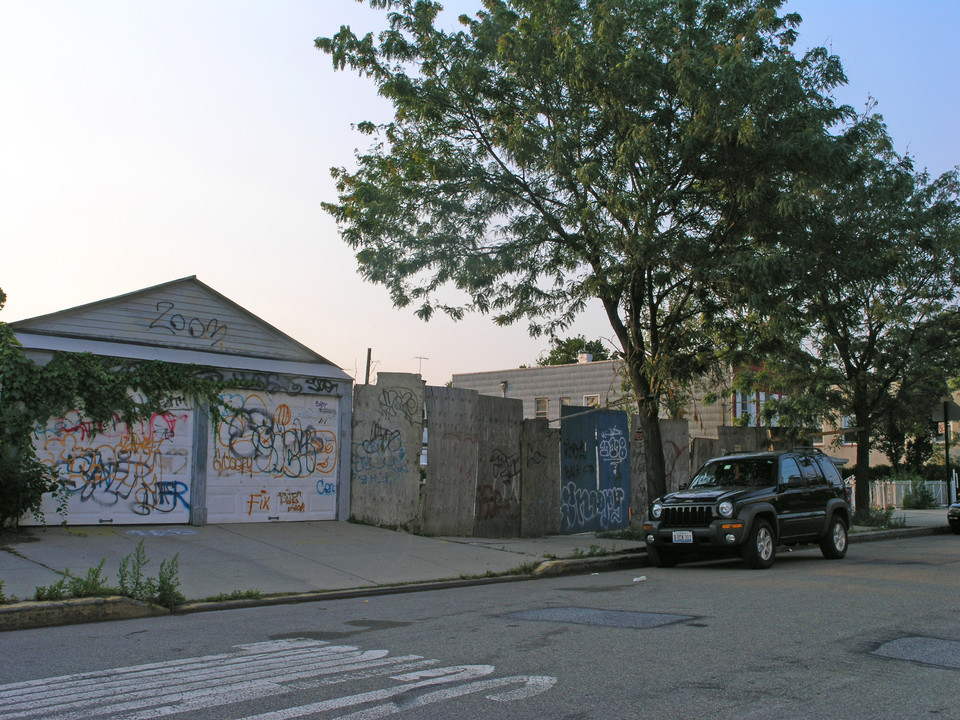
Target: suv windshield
[751, 472]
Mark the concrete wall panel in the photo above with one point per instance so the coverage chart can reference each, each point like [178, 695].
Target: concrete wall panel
[540, 479]
[498, 472]
[387, 437]
[449, 494]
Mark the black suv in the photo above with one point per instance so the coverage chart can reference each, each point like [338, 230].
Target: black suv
[749, 504]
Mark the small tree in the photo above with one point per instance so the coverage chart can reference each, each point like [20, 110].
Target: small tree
[564, 351]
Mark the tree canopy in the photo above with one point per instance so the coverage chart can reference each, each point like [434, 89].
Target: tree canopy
[553, 153]
[870, 290]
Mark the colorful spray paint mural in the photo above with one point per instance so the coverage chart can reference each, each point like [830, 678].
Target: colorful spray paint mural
[120, 474]
[273, 456]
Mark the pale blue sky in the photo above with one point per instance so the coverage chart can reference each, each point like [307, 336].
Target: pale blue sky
[144, 141]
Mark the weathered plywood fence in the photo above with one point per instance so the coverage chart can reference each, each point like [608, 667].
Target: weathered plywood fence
[489, 472]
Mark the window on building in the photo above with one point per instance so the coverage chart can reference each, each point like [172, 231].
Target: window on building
[542, 407]
[848, 438]
[591, 401]
[752, 405]
[564, 401]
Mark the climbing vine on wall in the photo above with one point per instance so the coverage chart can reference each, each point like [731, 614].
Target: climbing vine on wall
[102, 388]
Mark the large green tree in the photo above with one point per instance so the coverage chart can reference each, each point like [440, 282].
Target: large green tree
[553, 153]
[873, 298]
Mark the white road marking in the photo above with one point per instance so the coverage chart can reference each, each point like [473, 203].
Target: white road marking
[254, 672]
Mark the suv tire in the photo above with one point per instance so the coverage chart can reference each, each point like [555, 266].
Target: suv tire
[760, 548]
[833, 545]
[661, 558]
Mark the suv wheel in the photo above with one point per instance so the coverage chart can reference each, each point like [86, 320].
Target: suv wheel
[661, 558]
[759, 550]
[833, 545]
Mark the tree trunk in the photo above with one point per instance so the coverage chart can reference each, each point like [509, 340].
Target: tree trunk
[862, 499]
[648, 406]
[653, 450]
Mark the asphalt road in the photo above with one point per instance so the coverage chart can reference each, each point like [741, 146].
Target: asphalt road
[876, 635]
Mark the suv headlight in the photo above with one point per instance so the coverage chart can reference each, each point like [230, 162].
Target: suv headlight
[725, 509]
[656, 511]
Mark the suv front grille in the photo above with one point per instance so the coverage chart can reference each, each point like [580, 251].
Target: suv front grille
[687, 516]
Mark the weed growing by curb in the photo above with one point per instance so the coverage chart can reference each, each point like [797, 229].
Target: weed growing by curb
[93, 585]
[57, 591]
[163, 590]
[877, 518]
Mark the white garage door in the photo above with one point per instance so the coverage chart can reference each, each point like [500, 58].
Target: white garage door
[115, 474]
[273, 456]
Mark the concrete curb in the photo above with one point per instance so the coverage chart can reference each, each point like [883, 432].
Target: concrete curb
[26, 615]
[898, 533]
[321, 595]
[553, 568]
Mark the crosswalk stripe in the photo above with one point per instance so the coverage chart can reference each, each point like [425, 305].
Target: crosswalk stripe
[253, 672]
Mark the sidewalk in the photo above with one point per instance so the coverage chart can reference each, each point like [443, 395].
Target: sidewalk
[300, 560]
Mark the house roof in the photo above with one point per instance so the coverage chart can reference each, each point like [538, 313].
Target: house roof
[184, 315]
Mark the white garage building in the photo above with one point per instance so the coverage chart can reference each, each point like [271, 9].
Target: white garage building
[281, 452]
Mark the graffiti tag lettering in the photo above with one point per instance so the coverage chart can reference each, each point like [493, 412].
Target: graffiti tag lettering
[176, 324]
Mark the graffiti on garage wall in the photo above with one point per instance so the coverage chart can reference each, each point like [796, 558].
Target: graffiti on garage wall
[256, 437]
[143, 468]
[273, 455]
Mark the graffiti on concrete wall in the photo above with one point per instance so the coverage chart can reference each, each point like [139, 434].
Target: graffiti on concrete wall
[143, 469]
[380, 458]
[505, 465]
[491, 503]
[256, 437]
[400, 404]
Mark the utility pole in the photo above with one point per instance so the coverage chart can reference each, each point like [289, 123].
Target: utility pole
[420, 366]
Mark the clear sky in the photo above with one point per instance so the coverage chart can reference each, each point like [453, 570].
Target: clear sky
[142, 141]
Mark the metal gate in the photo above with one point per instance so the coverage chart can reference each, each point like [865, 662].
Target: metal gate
[595, 470]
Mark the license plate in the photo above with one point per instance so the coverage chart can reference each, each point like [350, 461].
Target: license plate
[682, 536]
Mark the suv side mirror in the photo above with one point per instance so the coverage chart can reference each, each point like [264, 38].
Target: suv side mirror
[684, 486]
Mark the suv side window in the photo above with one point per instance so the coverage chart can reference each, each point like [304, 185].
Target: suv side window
[788, 469]
[830, 471]
[811, 474]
